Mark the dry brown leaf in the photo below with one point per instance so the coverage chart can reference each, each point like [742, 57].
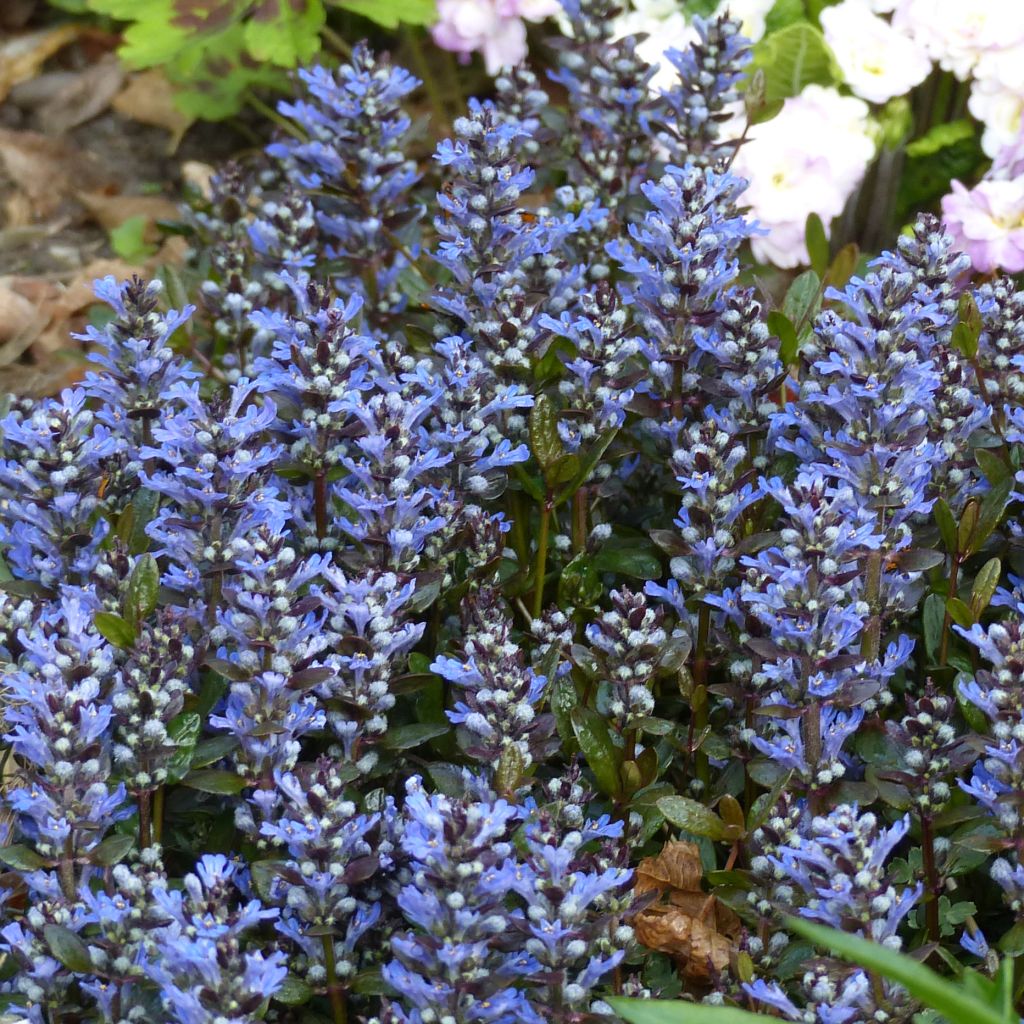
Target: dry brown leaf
[148, 97]
[86, 96]
[19, 317]
[690, 925]
[198, 175]
[112, 211]
[22, 55]
[677, 866]
[45, 169]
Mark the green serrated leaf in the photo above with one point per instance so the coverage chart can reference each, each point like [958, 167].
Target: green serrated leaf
[692, 816]
[392, 13]
[128, 239]
[285, 32]
[941, 136]
[794, 57]
[118, 631]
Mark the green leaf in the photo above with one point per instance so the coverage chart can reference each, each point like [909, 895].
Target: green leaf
[789, 344]
[143, 589]
[783, 13]
[960, 612]
[604, 758]
[802, 302]
[587, 462]
[118, 631]
[184, 730]
[933, 615]
[991, 465]
[143, 508]
[216, 780]
[112, 850]
[545, 444]
[128, 239]
[562, 700]
[926, 177]
[946, 524]
[21, 858]
[792, 58]
[817, 244]
[993, 505]
[293, 992]
[946, 997]
[637, 561]
[941, 136]
[688, 814]
[405, 737]
[68, 948]
[392, 13]
[985, 584]
[285, 32]
[678, 1011]
[212, 750]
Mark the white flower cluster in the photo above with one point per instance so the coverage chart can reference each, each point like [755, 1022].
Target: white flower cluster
[813, 155]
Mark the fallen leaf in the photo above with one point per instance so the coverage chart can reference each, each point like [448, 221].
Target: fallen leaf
[677, 866]
[45, 169]
[22, 55]
[86, 96]
[149, 98]
[687, 923]
[20, 324]
[112, 211]
[199, 176]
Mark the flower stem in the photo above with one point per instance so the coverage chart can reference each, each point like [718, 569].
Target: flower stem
[947, 619]
[542, 557]
[339, 1009]
[699, 720]
[320, 503]
[145, 821]
[931, 876]
[871, 642]
[158, 813]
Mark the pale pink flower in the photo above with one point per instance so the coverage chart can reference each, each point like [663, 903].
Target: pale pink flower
[987, 223]
[494, 28]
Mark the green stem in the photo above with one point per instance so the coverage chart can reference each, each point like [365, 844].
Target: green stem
[579, 520]
[812, 745]
[931, 876]
[429, 77]
[66, 870]
[699, 719]
[145, 825]
[542, 558]
[272, 115]
[158, 813]
[339, 1008]
[947, 619]
[320, 503]
[336, 41]
[871, 642]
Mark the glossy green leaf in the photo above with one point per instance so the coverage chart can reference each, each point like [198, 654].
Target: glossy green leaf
[118, 631]
[406, 737]
[817, 244]
[792, 58]
[985, 584]
[692, 816]
[604, 758]
[216, 780]
[545, 444]
[142, 590]
[782, 328]
[678, 1011]
[68, 948]
[21, 858]
[936, 992]
[946, 524]
[112, 850]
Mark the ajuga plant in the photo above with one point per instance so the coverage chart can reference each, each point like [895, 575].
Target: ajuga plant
[484, 601]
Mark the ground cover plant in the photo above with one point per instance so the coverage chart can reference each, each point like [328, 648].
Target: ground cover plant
[466, 594]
